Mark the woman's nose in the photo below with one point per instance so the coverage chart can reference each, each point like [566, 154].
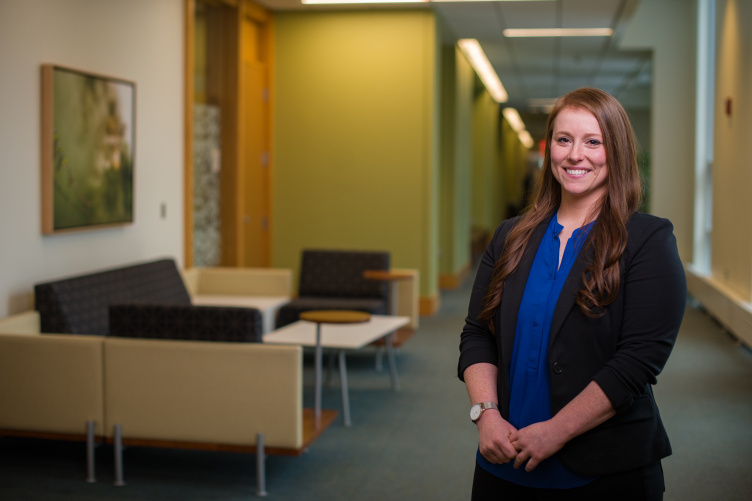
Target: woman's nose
[576, 153]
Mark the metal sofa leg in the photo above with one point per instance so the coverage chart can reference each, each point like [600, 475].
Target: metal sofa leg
[119, 456]
[90, 477]
[260, 466]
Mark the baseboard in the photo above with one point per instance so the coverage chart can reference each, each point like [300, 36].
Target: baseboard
[454, 280]
[723, 304]
[429, 305]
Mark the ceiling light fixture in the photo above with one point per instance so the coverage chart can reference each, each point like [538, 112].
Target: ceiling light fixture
[559, 32]
[515, 121]
[314, 2]
[474, 53]
[526, 139]
[513, 117]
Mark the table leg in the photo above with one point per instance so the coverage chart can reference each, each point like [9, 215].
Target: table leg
[393, 307]
[392, 361]
[317, 384]
[345, 390]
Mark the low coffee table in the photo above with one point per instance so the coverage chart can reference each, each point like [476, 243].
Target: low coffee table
[340, 330]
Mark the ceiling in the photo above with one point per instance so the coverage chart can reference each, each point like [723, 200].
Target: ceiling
[536, 70]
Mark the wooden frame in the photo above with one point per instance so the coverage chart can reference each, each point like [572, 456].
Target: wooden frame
[88, 150]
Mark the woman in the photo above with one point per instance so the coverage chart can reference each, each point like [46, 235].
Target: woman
[573, 314]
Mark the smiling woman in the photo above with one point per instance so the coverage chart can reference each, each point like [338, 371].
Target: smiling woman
[574, 311]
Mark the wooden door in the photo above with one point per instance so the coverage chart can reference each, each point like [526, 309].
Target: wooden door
[234, 42]
[256, 222]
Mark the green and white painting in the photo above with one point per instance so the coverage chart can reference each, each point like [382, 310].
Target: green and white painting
[88, 150]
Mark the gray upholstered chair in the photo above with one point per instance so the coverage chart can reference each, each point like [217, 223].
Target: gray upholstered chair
[333, 280]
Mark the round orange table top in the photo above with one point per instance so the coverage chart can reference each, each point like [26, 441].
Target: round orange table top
[335, 316]
[387, 275]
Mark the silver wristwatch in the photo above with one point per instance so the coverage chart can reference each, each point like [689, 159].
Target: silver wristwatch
[477, 409]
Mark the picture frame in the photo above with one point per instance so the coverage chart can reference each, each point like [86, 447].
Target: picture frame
[88, 150]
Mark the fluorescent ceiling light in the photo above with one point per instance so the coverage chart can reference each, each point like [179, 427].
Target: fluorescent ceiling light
[312, 2]
[474, 53]
[514, 119]
[525, 138]
[493, 0]
[559, 32]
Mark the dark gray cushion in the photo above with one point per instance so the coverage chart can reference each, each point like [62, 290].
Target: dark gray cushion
[80, 304]
[335, 273]
[198, 323]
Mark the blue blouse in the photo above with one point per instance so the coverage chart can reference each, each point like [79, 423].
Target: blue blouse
[530, 391]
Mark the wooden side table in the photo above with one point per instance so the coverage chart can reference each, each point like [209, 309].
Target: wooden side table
[332, 317]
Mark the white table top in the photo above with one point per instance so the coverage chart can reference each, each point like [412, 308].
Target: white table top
[345, 336]
[267, 305]
[258, 302]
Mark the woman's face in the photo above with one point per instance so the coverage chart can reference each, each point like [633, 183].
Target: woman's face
[578, 156]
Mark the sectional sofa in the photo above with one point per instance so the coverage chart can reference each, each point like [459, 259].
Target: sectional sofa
[196, 386]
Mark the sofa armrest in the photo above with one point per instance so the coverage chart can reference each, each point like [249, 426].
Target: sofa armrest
[199, 323]
[408, 295]
[21, 323]
[238, 281]
[51, 384]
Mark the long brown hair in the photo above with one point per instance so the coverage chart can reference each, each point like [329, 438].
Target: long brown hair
[608, 237]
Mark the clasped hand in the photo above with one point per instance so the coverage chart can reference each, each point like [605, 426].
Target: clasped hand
[500, 442]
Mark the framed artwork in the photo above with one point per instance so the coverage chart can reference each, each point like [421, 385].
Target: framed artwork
[88, 150]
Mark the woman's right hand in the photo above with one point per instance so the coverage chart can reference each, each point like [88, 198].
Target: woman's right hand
[493, 438]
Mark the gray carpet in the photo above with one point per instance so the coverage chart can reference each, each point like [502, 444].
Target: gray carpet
[418, 443]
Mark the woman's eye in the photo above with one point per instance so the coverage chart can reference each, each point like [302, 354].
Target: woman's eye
[593, 142]
[562, 140]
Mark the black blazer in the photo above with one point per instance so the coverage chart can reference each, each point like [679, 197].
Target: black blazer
[623, 351]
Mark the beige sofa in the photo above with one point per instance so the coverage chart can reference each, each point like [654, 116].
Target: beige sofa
[207, 395]
[51, 386]
[169, 393]
[238, 281]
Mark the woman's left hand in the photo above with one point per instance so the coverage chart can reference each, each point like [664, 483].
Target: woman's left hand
[535, 443]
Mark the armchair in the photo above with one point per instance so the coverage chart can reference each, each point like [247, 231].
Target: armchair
[333, 280]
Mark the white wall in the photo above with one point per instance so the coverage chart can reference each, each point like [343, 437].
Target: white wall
[668, 27]
[731, 241]
[139, 40]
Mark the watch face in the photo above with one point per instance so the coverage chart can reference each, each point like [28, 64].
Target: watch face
[475, 412]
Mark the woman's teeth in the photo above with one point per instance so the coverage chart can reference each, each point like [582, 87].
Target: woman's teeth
[576, 172]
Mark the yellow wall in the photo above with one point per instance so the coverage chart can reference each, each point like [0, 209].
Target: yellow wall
[355, 136]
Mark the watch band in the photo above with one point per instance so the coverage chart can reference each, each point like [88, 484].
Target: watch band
[477, 410]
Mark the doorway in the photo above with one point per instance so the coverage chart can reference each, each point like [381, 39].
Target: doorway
[227, 160]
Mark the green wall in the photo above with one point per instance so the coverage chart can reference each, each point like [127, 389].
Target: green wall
[513, 157]
[457, 84]
[488, 194]
[355, 136]
[499, 165]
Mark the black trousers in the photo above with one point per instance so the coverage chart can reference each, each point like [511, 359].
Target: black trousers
[641, 484]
